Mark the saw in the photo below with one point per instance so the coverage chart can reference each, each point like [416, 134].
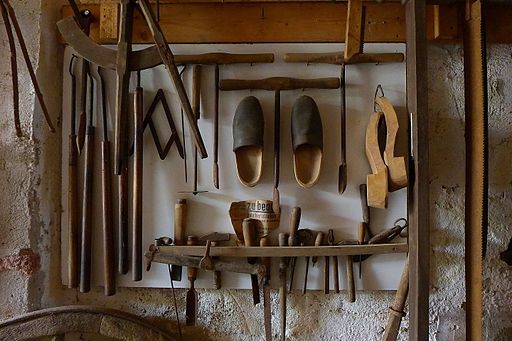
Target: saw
[475, 77]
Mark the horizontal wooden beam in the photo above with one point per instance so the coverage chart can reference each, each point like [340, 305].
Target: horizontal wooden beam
[285, 251]
[291, 22]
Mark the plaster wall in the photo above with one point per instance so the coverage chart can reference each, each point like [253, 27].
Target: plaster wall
[30, 206]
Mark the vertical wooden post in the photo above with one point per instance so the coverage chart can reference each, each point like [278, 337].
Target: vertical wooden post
[418, 198]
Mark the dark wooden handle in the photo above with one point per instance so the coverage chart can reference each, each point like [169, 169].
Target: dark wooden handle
[383, 236]
[337, 58]
[73, 218]
[266, 261]
[192, 272]
[196, 91]
[294, 226]
[122, 220]
[249, 231]
[85, 261]
[279, 83]
[351, 291]
[138, 115]
[180, 222]
[108, 227]
[224, 58]
[397, 307]
[326, 275]
[319, 241]
[336, 274]
[283, 241]
[364, 203]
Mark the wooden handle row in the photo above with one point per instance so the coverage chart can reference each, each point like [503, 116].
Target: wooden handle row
[338, 58]
[279, 83]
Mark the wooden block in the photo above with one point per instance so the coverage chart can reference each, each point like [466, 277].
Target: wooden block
[354, 28]
[397, 170]
[377, 182]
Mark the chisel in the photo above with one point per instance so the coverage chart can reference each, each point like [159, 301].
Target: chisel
[283, 267]
[249, 231]
[292, 239]
[267, 313]
[192, 299]
[180, 220]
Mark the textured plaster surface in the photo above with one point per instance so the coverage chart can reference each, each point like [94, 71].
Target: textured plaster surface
[29, 214]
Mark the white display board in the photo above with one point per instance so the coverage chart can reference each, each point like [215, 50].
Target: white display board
[322, 206]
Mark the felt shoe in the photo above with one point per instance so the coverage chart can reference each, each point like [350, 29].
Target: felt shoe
[248, 127]
[307, 141]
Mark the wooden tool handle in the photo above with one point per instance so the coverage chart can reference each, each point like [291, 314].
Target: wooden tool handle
[294, 226]
[122, 220]
[351, 292]
[180, 221]
[382, 237]
[266, 261]
[192, 272]
[85, 266]
[326, 275]
[361, 233]
[220, 58]
[249, 231]
[196, 91]
[336, 274]
[108, 228]
[283, 263]
[73, 218]
[319, 240]
[279, 83]
[138, 116]
[283, 241]
[338, 58]
[396, 310]
[364, 203]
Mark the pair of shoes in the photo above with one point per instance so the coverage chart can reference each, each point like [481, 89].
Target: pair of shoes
[307, 141]
[389, 172]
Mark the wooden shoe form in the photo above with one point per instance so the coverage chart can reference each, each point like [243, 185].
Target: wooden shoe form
[377, 182]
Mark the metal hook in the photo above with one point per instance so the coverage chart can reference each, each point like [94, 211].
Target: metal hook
[375, 96]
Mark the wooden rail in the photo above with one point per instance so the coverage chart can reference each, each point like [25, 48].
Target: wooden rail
[284, 22]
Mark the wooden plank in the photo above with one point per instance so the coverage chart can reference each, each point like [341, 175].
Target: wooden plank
[418, 191]
[285, 251]
[354, 28]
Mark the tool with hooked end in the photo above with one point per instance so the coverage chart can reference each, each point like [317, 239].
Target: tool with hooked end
[249, 231]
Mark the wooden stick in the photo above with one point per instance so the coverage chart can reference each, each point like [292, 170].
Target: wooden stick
[279, 83]
[351, 292]
[338, 58]
[123, 194]
[283, 265]
[396, 310]
[216, 129]
[138, 116]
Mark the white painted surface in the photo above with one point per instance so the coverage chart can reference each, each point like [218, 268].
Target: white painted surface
[322, 207]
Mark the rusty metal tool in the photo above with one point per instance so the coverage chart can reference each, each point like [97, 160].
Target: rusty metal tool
[476, 133]
[192, 298]
[330, 241]
[106, 190]
[278, 84]
[396, 309]
[283, 268]
[10, 21]
[305, 237]
[249, 231]
[293, 239]
[87, 208]
[180, 226]
[138, 130]
[267, 309]
[73, 210]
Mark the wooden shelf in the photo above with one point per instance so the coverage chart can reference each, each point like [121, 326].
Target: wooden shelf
[285, 251]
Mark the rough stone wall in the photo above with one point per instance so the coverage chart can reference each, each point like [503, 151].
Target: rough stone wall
[30, 206]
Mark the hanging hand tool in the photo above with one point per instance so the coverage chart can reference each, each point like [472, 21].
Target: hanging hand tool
[351, 291]
[249, 230]
[361, 236]
[73, 210]
[216, 130]
[319, 240]
[283, 268]
[396, 310]
[342, 171]
[390, 233]
[477, 180]
[180, 226]
[278, 84]
[192, 299]
[267, 313]
[87, 208]
[185, 170]
[10, 21]
[330, 242]
[326, 274]
[307, 240]
[293, 239]
[138, 131]
[106, 189]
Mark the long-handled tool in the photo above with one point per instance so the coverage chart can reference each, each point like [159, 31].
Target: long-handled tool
[106, 189]
[216, 129]
[10, 21]
[330, 242]
[138, 131]
[192, 299]
[267, 312]
[278, 84]
[396, 309]
[308, 239]
[283, 268]
[180, 227]
[73, 210]
[293, 239]
[87, 208]
[249, 231]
